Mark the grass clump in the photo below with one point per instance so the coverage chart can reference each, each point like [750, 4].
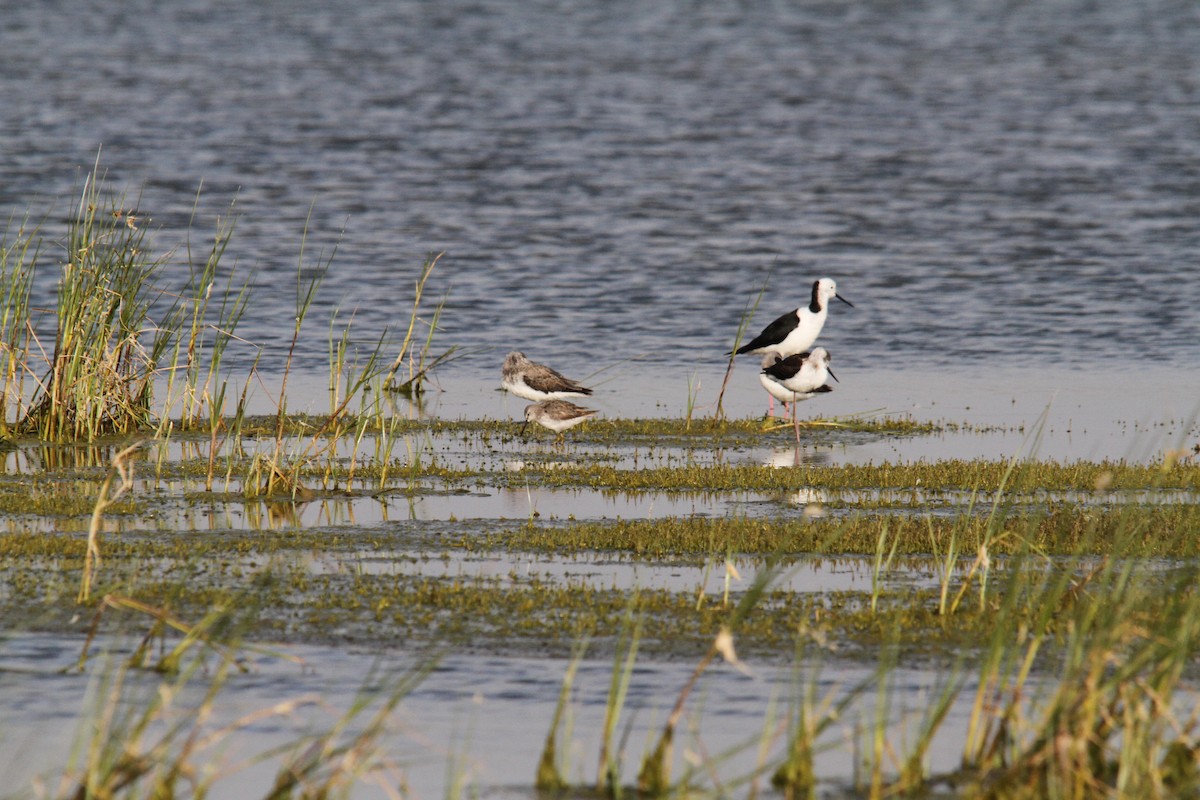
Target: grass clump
[413, 363]
[106, 350]
[120, 332]
[156, 729]
[18, 257]
[117, 331]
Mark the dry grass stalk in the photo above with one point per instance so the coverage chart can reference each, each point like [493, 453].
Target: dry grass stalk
[121, 469]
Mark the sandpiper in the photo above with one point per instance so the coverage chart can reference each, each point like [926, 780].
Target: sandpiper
[534, 381]
[557, 415]
[795, 331]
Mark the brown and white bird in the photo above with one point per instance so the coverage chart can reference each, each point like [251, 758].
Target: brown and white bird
[537, 382]
[556, 415]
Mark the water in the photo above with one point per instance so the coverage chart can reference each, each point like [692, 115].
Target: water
[1008, 192]
[485, 704]
[989, 183]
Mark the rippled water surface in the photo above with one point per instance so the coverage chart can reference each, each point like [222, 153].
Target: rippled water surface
[989, 182]
[1008, 192]
[483, 702]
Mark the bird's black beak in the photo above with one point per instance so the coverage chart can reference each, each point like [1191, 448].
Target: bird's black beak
[827, 369]
[523, 427]
[844, 300]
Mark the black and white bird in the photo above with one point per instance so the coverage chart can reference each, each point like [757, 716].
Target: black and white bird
[537, 382]
[796, 378]
[795, 331]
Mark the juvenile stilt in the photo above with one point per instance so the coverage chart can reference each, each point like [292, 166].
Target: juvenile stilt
[796, 378]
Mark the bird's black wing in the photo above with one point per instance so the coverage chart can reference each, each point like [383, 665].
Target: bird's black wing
[785, 368]
[774, 333]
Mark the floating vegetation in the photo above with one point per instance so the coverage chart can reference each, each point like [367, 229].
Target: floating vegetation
[1000, 579]
[1058, 601]
[273, 573]
[1162, 532]
[958, 475]
[121, 334]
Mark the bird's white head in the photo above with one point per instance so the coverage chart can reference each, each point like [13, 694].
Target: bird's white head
[825, 290]
[821, 359]
[531, 412]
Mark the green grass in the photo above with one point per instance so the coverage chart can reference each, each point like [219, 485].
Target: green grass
[1076, 660]
[1065, 593]
[148, 731]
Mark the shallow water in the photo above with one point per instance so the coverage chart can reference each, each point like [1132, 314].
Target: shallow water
[990, 183]
[1004, 412]
[479, 720]
[1007, 192]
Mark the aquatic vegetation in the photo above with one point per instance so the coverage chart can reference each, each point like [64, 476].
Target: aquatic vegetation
[743, 324]
[1073, 699]
[1064, 529]
[809, 720]
[958, 475]
[551, 768]
[117, 331]
[1058, 600]
[1075, 613]
[105, 498]
[414, 354]
[149, 732]
[120, 335]
[206, 323]
[105, 351]
[18, 259]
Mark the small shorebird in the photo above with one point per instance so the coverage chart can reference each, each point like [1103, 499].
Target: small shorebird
[534, 381]
[795, 331]
[796, 378]
[557, 415]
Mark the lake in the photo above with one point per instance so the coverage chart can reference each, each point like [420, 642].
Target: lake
[1007, 192]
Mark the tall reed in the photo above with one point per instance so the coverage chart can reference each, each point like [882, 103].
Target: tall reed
[608, 782]
[117, 328]
[106, 348]
[810, 720]
[551, 769]
[414, 355]
[157, 733]
[747, 315]
[18, 258]
[206, 325]
[276, 473]
[306, 294]
[121, 469]
[352, 376]
[654, 778]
